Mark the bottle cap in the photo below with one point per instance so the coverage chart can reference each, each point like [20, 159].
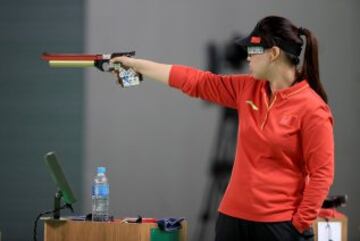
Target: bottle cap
[101, 170]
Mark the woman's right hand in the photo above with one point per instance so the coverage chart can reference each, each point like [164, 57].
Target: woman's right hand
[149, 69]
[124, 60]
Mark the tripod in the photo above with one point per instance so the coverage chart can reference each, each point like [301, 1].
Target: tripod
[220, 169]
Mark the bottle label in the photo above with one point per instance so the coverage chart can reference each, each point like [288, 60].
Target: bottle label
[100, 190]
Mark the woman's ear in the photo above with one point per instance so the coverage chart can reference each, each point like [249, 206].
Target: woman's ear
[274, 53]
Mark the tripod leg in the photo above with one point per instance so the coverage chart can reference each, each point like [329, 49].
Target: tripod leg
[222, 157]
[210, 200]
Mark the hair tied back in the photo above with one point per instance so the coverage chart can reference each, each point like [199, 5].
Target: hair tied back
[301, 31]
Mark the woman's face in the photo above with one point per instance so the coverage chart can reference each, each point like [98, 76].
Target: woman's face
[259, 64]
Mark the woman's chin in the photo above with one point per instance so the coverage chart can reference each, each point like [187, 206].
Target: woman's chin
[252, 74]
[256, 75]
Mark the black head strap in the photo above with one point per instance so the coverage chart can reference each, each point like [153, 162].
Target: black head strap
[256, 39]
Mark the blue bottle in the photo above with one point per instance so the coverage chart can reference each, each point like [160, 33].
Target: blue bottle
[100, 196]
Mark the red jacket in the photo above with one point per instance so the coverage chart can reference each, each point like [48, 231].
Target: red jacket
[284, 163]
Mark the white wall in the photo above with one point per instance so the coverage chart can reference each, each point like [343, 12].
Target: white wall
[155, 141]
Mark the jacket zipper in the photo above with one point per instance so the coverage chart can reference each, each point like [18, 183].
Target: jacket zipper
[268, 108]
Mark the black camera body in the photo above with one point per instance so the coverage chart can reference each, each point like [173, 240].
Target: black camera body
[335, 201]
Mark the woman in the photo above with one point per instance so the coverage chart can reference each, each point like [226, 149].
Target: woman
[284, 160]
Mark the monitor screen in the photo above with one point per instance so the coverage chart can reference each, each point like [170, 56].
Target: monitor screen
[58, 176]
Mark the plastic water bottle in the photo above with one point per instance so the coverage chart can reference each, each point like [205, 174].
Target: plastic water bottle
[100, 196]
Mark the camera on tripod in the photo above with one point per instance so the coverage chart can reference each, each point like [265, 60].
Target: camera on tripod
[335, 201]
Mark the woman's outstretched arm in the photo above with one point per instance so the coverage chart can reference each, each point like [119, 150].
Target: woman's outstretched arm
[147, 68]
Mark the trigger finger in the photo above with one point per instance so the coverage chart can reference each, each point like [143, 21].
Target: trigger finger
[114, 72]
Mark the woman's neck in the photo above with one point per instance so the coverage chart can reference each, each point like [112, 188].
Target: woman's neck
[282, 78]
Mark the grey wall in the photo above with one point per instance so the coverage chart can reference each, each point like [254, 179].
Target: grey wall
[157, 142]
[41, 109]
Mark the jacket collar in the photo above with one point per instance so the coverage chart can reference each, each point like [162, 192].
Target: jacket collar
[286, 92]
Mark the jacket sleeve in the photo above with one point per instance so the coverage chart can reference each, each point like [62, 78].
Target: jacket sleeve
[318, 153]
[220, 89]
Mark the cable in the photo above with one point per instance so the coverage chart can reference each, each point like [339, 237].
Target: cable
[44, 213]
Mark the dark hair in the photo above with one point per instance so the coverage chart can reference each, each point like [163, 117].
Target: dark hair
[275, 29]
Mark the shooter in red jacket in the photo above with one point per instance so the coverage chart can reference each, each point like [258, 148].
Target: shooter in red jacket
[284, 162]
